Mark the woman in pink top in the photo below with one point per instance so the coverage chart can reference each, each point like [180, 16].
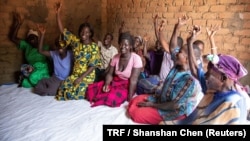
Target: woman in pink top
[120, 82]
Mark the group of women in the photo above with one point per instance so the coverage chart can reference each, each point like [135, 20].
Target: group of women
[180, 100]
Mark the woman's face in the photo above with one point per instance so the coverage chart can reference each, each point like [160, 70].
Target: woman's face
[137, 43]
[33, 40]
[85, 34]
[213, 80]
[181, 57]
[125, 46]
[107, 40]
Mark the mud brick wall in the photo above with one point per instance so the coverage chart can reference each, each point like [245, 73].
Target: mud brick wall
[107, 15]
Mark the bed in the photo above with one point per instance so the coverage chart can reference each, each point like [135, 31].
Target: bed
[25, 116]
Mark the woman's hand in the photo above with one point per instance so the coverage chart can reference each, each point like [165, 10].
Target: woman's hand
[105, 88]
[77, 81]
[41, 28]
[58, 6]
[145, 104]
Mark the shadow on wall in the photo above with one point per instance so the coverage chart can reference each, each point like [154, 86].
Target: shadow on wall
[39, 12]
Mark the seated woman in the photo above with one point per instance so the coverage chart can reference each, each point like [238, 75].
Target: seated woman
[86, 58]
[37, 66]
[62, 59]
[180, 94]
[120, 82]
[225, 105]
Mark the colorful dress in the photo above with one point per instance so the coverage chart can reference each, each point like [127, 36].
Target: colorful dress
[85, 56]
[119, 86]
[217, 108]
[180, 87]
[38, 61]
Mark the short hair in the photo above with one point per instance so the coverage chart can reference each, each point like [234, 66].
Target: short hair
[88, 26]
[198, 42]
[127, 36]
[110, 34]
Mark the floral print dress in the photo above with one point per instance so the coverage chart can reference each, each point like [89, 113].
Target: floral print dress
[85, 56]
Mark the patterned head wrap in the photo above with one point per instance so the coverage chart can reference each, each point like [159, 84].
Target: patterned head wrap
[228, 65]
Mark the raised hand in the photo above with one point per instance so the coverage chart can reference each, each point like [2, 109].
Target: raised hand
[183, 20]
[58, 6]
[194, 33]
[162, 24]
[41, 28]
[155, 18]
[212, 30]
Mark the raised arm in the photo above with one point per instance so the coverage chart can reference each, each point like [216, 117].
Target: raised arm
[146, 38]
[211, 32]
[17, 22]
[162, 39]
[191, 56]
[121, 28]
[174, 38]
[42, 31]
[156, 28]
[58, 6]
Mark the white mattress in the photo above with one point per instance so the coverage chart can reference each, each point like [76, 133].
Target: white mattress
[25, 116]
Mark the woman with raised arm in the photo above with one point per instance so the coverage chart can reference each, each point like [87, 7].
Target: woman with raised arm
[223, 103]
[86, 58]
[179, 96]
[62, 59]
[37, 66]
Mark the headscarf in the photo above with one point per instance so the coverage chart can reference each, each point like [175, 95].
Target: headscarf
[228, 65]
[33, 32]
[140, 39]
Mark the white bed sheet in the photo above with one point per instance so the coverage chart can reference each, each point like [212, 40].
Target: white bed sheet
[25, 116]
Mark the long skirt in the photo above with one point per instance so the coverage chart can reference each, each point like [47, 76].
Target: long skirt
[117, 95]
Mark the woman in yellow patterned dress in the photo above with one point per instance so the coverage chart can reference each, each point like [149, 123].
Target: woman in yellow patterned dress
[86, 59]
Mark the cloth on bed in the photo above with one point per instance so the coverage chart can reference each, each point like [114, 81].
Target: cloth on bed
[26, 116]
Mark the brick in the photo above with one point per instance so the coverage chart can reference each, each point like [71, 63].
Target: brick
[195, 15]
[245, 15]
[226, 15]
[244, 1]
[230, 39]
[245, 41]
[202, 9]
[236, 8]
[240, 48]
[242, 32]
[246, 24]
[227, 1]
[218, 8]
[201, 23]
[197, 2]
[174, 9]
[243, 56]
[209, 15]
[211, 2]
[178, 2]
[168, 15]
[187, 8]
